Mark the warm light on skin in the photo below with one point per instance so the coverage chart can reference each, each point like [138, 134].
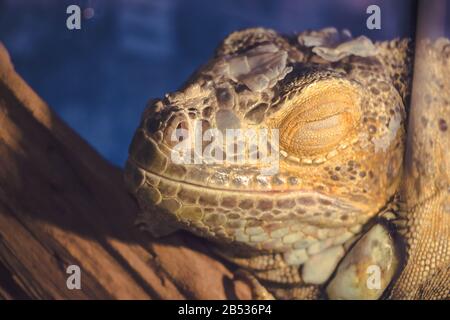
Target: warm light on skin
[320, 117]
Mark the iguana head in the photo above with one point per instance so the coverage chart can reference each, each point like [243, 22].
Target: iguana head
[337, 106]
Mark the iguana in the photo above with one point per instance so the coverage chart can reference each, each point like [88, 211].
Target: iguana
[346, 215]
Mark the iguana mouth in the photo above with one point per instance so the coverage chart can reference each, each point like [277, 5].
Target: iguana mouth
[306, 197]
[155, 175]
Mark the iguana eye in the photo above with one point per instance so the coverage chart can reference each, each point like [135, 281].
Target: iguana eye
[320, 118]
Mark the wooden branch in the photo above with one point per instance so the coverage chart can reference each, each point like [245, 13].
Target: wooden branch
[61, 203]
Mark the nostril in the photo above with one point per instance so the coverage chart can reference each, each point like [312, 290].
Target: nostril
[181, 126]
[176, 130]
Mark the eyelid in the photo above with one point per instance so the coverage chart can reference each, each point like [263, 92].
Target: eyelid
[321, 124]
[319, 118]
[317, 134]
[318, 100]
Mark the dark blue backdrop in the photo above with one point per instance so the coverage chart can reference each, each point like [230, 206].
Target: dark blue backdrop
[99, 78]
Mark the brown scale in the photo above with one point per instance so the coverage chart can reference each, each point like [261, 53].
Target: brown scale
[341, 125]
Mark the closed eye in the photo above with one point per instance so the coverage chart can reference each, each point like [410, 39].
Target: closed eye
[319, 119]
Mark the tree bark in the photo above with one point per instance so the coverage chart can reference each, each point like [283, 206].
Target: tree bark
[62, 204]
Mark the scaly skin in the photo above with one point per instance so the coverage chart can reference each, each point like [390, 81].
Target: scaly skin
[340, 111]
[425, 189]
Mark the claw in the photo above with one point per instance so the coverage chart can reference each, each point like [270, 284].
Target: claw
[257, 289]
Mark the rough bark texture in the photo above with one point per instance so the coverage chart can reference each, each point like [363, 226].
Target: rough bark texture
[61, 203]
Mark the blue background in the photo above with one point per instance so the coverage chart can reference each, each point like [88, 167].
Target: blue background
[99, 78]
